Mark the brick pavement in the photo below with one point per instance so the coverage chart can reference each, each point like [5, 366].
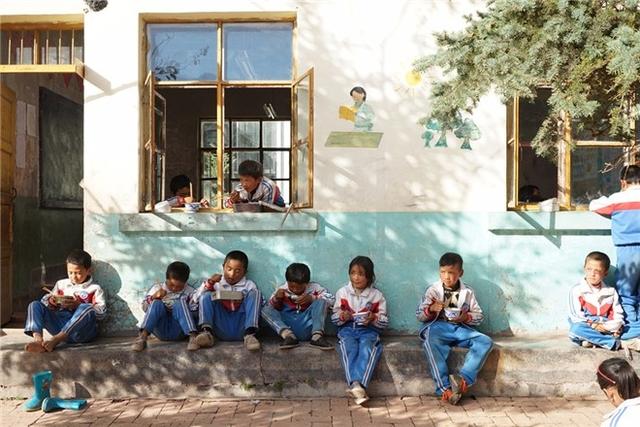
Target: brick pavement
[336, 412]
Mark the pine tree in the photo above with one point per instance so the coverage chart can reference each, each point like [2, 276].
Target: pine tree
[586, 51]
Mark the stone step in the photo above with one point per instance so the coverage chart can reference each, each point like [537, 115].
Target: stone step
[107, 368]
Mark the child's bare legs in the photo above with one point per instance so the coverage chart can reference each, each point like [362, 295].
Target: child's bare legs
[36, 346]
[50, 345]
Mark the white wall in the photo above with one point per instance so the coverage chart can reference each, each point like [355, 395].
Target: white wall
[346, 49]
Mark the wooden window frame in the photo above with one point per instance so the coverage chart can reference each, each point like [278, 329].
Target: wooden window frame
[38, 64]
[220, 85]
[564, 160]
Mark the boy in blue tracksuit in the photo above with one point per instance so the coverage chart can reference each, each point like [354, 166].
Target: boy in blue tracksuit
[70, 311]
[449, 309]
[168, 308]
[297, 310]
[229, 319]
[623, 208]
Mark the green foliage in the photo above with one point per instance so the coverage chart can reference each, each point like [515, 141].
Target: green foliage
[586, 51]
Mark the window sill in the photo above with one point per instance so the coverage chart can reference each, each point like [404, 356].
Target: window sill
[549, 223]
[218, 222]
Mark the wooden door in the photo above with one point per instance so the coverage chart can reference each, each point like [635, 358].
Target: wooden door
[7, 193]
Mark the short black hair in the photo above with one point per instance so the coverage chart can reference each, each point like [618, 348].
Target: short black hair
[178, 182]
[451, 258]
[599, 256]
[250, 168]
[298, 273]
[79, 257]
[529, 194]
[238, 256]
[618, 373]
[367, 266]
[178, 270]
[360, 90]
[630, 174]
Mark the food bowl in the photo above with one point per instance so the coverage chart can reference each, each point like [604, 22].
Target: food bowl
[247, 207]
[63, 298]
[191, 207]
[451, 312]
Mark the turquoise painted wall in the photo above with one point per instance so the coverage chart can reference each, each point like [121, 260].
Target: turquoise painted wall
[521, 265]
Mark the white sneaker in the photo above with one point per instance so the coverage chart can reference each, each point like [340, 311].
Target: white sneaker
[586, 344]
[192, 345]
[251, 342]
[205, 339]
[358, 393]
[632, 344]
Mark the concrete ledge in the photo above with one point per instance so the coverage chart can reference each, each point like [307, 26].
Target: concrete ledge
[548, 223]
[550, 366]
[204, 221]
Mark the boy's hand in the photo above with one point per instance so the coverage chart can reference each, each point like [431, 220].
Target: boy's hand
[345, 316]
[370, 318]
[436, 306]
[52, 301]
[234, 197]
[305, 299]
[159, 294]
[599, 327]
[204, 203]
[279, 294]
[211, 281]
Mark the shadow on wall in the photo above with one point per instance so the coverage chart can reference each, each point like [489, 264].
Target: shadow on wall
[119, 319]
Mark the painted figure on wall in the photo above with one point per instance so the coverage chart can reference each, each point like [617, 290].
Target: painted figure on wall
[360, 113]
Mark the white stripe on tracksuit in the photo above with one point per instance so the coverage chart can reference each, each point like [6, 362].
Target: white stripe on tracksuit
[68, 329]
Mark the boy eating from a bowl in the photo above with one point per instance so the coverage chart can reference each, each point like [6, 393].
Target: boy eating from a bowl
[449, 309]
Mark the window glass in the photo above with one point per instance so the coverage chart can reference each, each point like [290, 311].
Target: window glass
[208, 134]
[78, 44]
[245, 134]
[52, 47]
[284, 190]
[182, 52]
[209, 189]
[276, 164]
[65, 47]
[209, 164]
[587, 180]
[258, 51]
[276, 134]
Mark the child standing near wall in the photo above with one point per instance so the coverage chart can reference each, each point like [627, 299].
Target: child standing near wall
[229, 319]
[595, 314]
[360, 312]
[254, 186]
[623, 208]
[297, 310]
[168, 309]
[70, 311]
[449, 310]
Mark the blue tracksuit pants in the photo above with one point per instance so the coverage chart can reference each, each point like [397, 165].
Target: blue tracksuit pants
[360, 349]
[439, 337]
[226, 324]
[581, 331]
[628, 283]
[302, 323]
[80, 325]
[169, 324]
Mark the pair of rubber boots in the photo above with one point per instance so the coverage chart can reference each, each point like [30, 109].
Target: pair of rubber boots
[42, 399]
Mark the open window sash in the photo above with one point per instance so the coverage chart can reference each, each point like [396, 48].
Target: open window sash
[153, 150]
[513, 149]
[302, 141]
